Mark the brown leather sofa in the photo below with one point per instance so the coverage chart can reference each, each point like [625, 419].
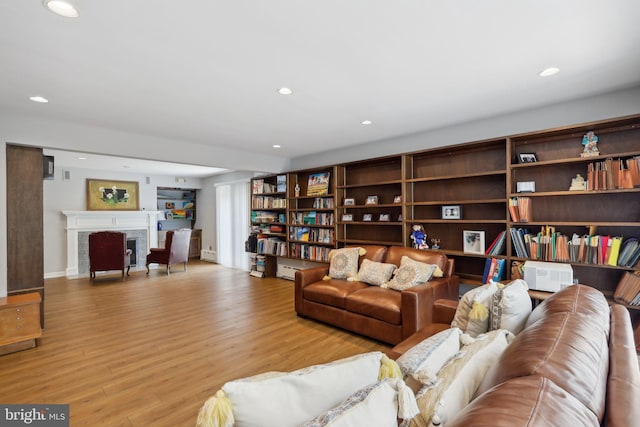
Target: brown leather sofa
[383, 314]
[574, 364]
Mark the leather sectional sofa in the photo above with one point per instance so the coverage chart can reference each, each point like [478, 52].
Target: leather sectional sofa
[383, 314]
[574, 364]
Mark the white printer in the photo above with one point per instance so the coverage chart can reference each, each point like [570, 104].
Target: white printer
[547, 276]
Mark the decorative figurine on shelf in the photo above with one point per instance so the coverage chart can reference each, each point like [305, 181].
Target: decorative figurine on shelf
[419, 237]
[297, 190]
[577, 183]
[435, 243]
[590, 142]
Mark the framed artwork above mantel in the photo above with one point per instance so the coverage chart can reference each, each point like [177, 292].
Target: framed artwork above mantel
[112, 195]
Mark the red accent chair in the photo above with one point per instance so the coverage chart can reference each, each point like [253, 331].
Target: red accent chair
[176, 249]
[108, 251]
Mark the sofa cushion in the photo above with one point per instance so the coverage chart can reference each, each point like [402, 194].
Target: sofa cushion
[458, 380]
[375, 273]
[510, 307]
[376, 302]
[527, 401]
[422, 362]
[284, 399]
[376, 404]
[373, 253]
[344, 263]
[395, 254]
[570, 349]
[479, 295]
[573, 299]
[332, 292]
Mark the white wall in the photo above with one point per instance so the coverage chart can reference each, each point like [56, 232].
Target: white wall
[71, 195]
[615, 104]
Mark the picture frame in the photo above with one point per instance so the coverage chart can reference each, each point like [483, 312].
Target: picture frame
[399, 217]
[473, 242]
[452, 212]
[367, 217]
[112, 195]
[349, 202]
[318, 184]
[527, 158]
[169, 205]
[397, 198]
[372, 200]
[384, 218]
[347, 217]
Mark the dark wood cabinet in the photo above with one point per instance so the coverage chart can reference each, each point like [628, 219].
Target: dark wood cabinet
[25, 247]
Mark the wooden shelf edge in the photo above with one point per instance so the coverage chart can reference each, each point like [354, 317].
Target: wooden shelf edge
[458, 202]
[371, 184]
[576, 193]
[461, 176]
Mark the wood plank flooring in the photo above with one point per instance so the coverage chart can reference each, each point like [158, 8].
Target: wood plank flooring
[151, 350]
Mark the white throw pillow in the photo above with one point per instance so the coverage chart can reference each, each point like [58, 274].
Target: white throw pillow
[459, 379]
[375, 273]
[374, 405]
[290, 399]
[421, 363]
[480, 324]
[511, 307]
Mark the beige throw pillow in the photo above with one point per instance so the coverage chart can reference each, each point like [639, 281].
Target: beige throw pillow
[375, 273]
[344, 263]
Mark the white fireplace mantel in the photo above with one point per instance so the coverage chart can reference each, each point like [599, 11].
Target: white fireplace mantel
[80, 221]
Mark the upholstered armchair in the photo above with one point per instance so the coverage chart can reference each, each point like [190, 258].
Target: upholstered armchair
[108, 251]
[176, 250]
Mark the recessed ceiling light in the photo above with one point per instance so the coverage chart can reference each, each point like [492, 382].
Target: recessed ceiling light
[366, 122]
[276, 146]
[64, 8]
[549, 71]
[285, 91]
[40, 99]
[82, 158]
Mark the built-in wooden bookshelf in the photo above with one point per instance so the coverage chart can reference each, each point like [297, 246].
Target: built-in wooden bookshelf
[311, 215]
[480, 179]
[470, 177]
[268, 219]
[373, 212]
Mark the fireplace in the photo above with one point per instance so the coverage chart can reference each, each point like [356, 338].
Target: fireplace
[139, 226]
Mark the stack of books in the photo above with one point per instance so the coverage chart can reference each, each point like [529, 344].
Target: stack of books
[628, 289]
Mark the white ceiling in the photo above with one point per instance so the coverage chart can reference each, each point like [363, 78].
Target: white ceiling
[208, 71]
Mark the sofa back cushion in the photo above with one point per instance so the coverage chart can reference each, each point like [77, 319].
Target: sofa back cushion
[581, 299]
[569, 349]
[374, 253]
[395, 254]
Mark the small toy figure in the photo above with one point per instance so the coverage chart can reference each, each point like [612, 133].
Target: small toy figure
[590, 142]
[419, 237]
[297, 190]
[436, 243]
[577, 183]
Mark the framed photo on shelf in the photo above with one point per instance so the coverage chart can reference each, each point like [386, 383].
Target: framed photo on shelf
[527, 158]
[399, 217]
[397, 199]
[384, 218]
[451, 212]
[105, 195]
[169, 205]
[473, 242]
[347, 217]
[367, 217]
[372, 200]
[349, 202]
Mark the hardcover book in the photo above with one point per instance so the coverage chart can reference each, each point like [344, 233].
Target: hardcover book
[318, 184]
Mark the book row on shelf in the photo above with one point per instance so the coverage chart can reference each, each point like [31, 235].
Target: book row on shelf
[306, 234]
[549, 245]
[271, 246]
[520, 209]
[628, 289]
[310, 252]
[323, 203]
[268, 202]
[265, 217]
[260, 186]
[312, 218]
[610, 174]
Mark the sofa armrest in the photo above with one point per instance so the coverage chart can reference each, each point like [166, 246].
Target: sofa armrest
[417, 303]
[444, 310]
[304, 278]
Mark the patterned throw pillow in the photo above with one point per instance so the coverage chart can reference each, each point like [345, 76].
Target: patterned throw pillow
[461, 318]
[410, 274]
[375, 273]
[510, 307]
[344, 263]
[423, 267]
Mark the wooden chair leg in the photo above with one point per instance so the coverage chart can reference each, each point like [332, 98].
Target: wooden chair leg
[185, 266]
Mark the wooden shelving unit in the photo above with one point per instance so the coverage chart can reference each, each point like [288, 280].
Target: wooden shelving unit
[361, 181]
[311, 218]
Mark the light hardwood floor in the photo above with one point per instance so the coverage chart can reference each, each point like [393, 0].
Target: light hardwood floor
[151, 350]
